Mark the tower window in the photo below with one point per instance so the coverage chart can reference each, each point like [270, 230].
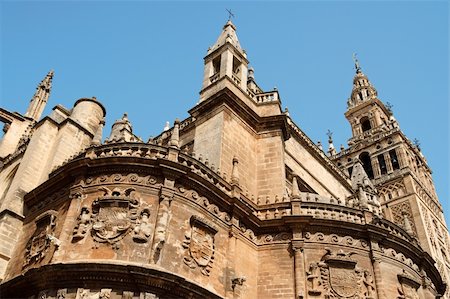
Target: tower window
[367, 165]
[350, 171]
[394, 159]
[216, 64]
[365, 124]
[236, 66]
[382, 163]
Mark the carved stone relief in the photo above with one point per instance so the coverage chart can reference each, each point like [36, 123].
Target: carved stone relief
[401, 211]
[61, 294]
[42, 240]
[143, 229]
[337, 276]
[408, 286]
[319, 237]
[204, 202]
[199, 245]
[131, 178]
[112, 217]
[161, 226]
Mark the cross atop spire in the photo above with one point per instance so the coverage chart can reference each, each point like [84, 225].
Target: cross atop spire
[230, 14]
[356, 61]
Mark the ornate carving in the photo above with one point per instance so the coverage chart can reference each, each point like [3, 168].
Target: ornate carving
[61, 294]
[105, 294]
[389, 252]
[113, 215]
[408, 286]
[400, 211]
[127, 295]
[336, 276]
[313, 277]
[145, 295]
[199, 245]
[335, 239]
[274, 238]
[161, 226]
[204, 202]
[132, 178]
[39, 244]
[143, 229]
[83, 224]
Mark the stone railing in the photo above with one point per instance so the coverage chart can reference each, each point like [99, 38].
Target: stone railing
[210, 173]
[141, 150]
[236, 79]
[267, 97]
[312, 197]
[326, 211]
[214, 77]
[394, 229]
[273, 212]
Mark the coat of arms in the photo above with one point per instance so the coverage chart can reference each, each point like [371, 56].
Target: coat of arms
[41, 240]
[200, 245]
[337, 276]
[113, 216]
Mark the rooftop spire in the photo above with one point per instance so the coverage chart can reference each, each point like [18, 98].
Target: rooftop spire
[228, 35]
[362, 88]
[40, 97]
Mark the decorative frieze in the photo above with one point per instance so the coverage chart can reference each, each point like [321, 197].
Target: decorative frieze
[319, 237]
[131, 178]
[204, 203]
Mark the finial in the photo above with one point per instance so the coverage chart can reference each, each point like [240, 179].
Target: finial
[330, 136]
[331, 149]
[319, 145]
[230, 14]
[175, 137]
[125, 116]
[357, 66]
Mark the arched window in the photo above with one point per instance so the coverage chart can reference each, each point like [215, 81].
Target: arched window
[365, 124]
[367, 165]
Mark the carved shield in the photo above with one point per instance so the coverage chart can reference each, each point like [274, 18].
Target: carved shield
[112, 221]
[343, 281]
[201, 246]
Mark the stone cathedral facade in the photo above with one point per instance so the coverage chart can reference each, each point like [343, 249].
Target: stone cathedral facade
[233, 202]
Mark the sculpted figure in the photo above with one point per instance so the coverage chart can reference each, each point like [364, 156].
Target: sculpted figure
[84, 221]
[369, 285]
[143, 230]
[313, 276]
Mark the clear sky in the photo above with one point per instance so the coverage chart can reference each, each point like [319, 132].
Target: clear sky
[146, 58]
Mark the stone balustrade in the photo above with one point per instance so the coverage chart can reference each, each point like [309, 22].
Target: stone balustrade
[267, 97]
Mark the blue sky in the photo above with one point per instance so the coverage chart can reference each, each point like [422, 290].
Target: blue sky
[146, 58]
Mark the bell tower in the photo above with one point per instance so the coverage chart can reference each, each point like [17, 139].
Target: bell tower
[397, 169]
[225, 58]
[365, 112]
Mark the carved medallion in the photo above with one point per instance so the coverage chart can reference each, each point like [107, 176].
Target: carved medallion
[200, 245]
[40, 242]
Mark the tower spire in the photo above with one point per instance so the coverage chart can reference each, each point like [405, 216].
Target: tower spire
[40, 97]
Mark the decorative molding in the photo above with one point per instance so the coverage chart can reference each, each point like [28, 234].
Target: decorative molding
[319, 237]
[204, 203]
